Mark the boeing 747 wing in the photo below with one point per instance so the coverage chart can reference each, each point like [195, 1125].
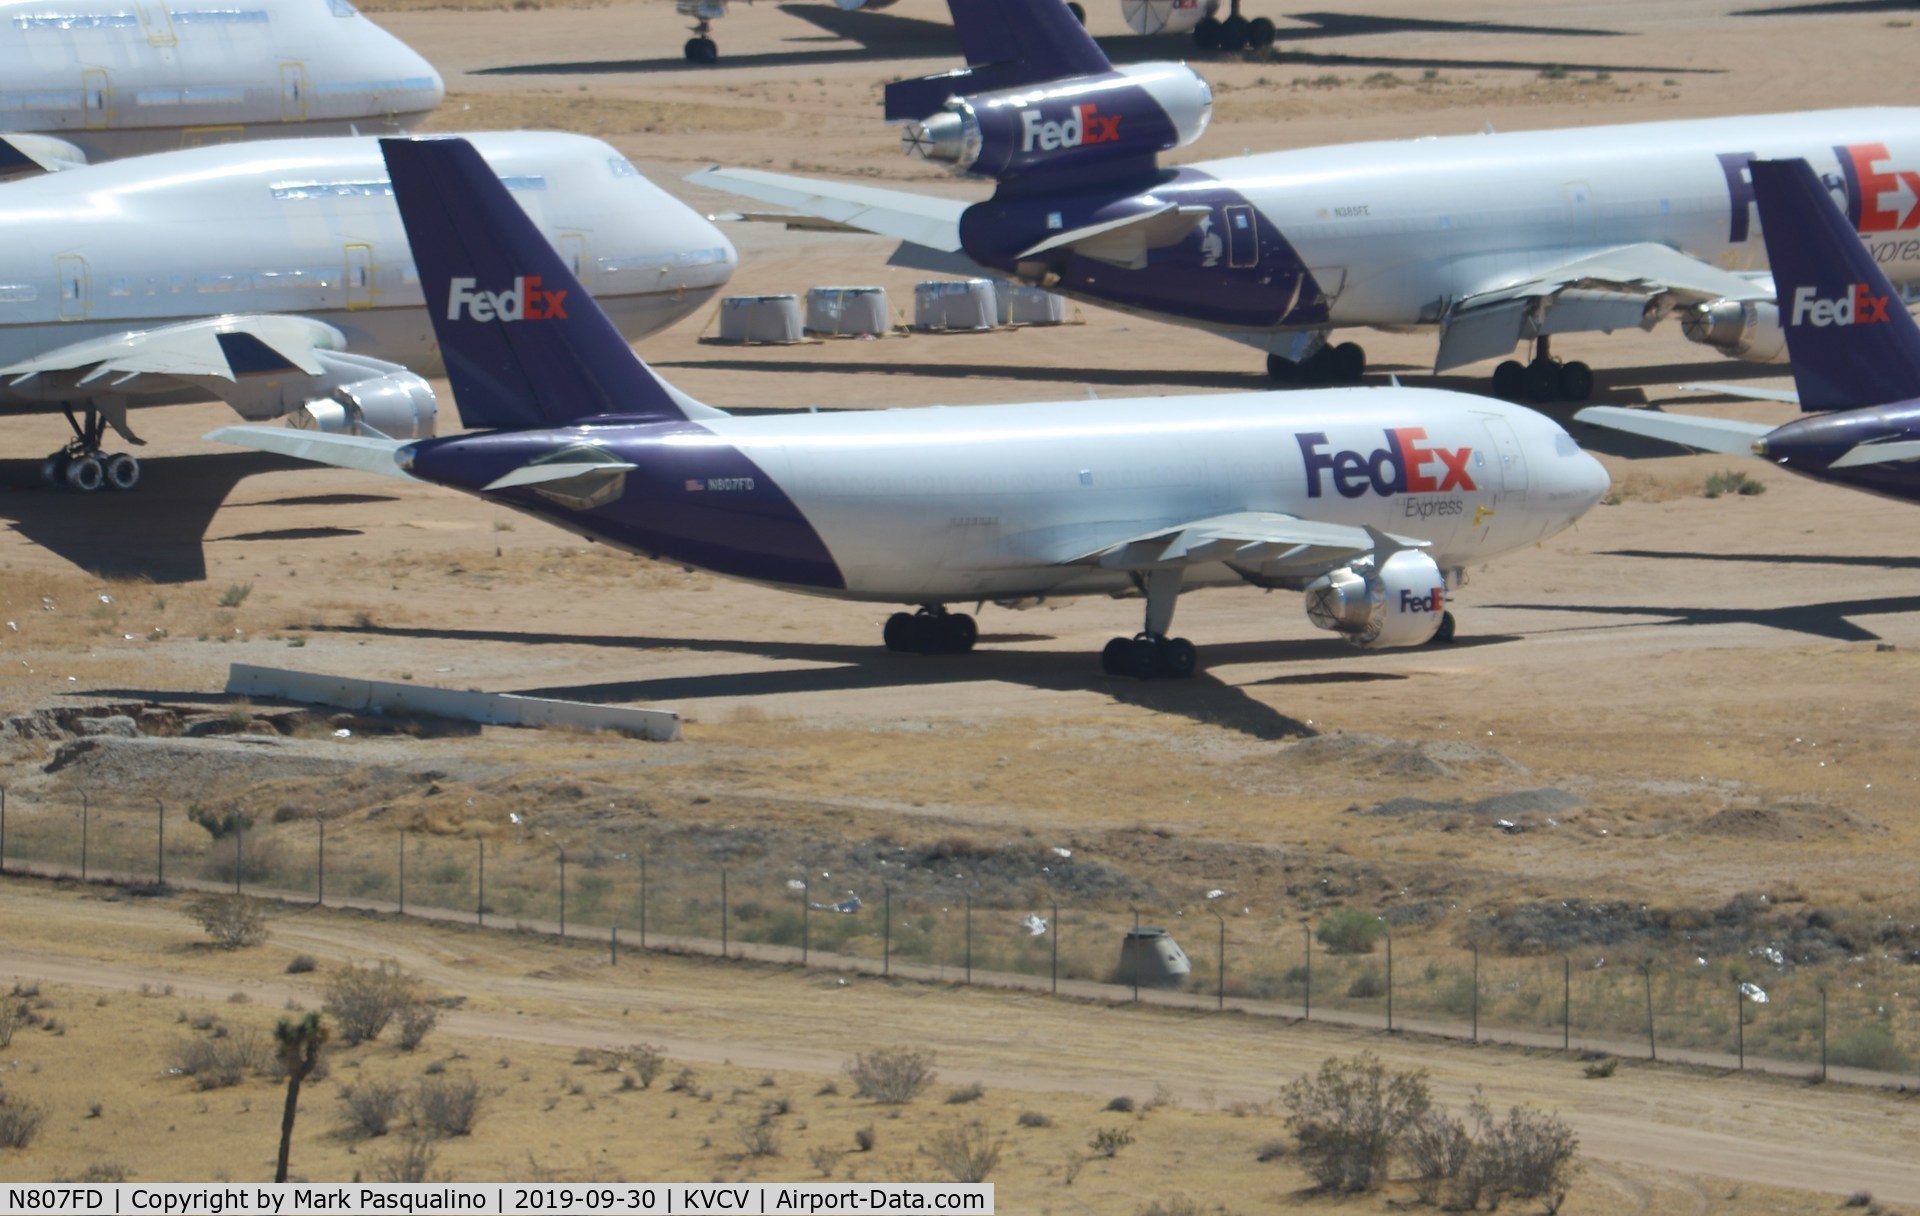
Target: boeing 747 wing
[1365, 499]
[1490, 241]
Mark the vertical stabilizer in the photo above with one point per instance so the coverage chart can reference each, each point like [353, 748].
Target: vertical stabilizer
[1007, 43]
[1851, 338]
[524, 345]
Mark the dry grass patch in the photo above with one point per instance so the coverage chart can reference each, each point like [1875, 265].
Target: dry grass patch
[607, 116]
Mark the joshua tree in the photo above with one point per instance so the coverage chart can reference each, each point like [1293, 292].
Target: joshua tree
[300, 1043]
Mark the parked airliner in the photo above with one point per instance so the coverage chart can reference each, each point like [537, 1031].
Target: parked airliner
[1489, 240]
[89, 80]
[1856, 351]
[1365, 499]
[276, 276]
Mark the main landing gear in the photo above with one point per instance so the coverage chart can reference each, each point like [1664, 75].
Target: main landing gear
[1236, 33]
[1151, 654]
[1342, 364]
[701, 48]
[1544, 380]
[81, 465]
[932, 630]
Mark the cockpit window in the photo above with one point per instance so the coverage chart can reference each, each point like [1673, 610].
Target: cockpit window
[342, 8]
[622, 167]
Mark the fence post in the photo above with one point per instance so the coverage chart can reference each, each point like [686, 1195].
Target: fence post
[1740, 1023]
[1054, 966]
[1389, 931]
[3, 829]
[83, 835]
[806, 919]
[969, 939]
[403, 871]
[239, 852]
[1476, 993]
[643, 901]
[563, 892]
[723, 911]
[1308, 930]
[1220, 979]
[886, 932]
[480, 897]
[613, 945]
[1653, 1048]
[1566, 1003]
[320, 870]
[1823, 1032]
[160, 853]
[1133, 955]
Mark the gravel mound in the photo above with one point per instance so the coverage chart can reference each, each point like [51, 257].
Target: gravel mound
[1384, 757]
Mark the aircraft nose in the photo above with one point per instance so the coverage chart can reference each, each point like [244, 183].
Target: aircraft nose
[1590, 480]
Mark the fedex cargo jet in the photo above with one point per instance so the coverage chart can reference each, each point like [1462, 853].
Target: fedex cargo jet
[1489, 241]
[1364, 499]
[90, 80]
[1856, 352]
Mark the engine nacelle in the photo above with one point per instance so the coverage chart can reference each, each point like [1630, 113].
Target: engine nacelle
[1130, 112]
[1399, 602]
[1166, 16]
[1738, 329]
[398, 405]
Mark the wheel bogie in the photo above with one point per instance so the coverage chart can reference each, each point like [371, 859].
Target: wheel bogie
[85, 474]
[1150, 657]
[122, 471]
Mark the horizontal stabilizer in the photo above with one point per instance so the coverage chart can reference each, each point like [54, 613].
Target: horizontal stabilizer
[342, 451]
[1125, 241]
[920, 218]
[539, 474]
[1726, 435]
[1878, 453]
[1786, 395]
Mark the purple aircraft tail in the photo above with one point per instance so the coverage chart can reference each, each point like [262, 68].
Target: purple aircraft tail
[1008, 43]
[524, 345]
[1851, 338]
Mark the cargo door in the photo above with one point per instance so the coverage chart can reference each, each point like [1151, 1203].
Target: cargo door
[360, 286]
[96, 99]
[293, 92]
[71, 271]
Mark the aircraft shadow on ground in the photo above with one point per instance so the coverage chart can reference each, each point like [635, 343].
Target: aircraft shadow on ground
[884, 36]
[124, 535]
[1774, 559]
[1205, 699]
[1828, 620]
[1836, 7]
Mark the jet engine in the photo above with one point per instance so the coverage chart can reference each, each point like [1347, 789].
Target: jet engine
[398, 405]
[1738, 329]
[1069, 124]
[1381, 605]
[1166, 16]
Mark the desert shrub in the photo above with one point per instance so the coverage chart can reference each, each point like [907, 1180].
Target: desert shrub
[412, 1158]
[643, 1061]
[300, 964]
[966, 1094]
[450, 1106]
[1120, 1105]
[416, 1020]
[825, 1159]
[1108, 1141]
[220, 826]
[967, 1152]
[1368, 985]
[863, 1138]
[1528, 1155]
[758, 1139]
[1174, 1205]
[222, 1061]
[1034, 1118]
[1437, 1147]
[20, 1121]
[1732, 481]
[891, 1075]
[1870, 1046]
[1599, 1070]
[1350, 931]
[1351, 1117]
[231, 920]
[362, 1000]
[684, 1081]
[13, 1015]
[369, 1108]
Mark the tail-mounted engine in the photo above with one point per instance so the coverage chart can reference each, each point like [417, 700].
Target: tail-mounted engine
[1131, 112]
[1380, 605]
[1738, 329]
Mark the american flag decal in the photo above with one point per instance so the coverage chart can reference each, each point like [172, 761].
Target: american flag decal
[694, 483]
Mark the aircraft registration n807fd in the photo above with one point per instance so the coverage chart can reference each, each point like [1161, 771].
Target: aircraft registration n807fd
[1491, 240]
[276, 276]
[1362, 498]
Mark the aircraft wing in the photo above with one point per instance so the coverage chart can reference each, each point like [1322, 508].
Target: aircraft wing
[1247, 537]
[1608, 290]
[920, 218]
[360, 452]
[1740, 390]
[1726, 435]
[225, 348]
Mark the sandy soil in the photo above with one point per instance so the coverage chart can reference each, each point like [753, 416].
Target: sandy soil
[1674, 658]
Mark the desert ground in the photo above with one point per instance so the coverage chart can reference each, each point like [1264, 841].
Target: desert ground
[1712, 690]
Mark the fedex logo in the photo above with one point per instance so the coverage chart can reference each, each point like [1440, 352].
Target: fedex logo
[1083, 125]
[1868, 187]
[1854, 308]
[1433, 601]
[1403, 466]
[524, 301]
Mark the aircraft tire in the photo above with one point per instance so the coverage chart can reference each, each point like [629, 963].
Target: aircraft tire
[1143, 658]
[1079, 13]
[122, 470]
[1206, 35]
[1178, 658]
[959, 632]
[702, 50]
[898, 634]
[1543, 381]
[1113, 659]
[1282, 370]
[1576, 381]
[1443, 636]
[1510, 380]
[53, 470]
[1260, 33]
[84, 474]
[1233, 34]
[1349, 363]
[1317, 368]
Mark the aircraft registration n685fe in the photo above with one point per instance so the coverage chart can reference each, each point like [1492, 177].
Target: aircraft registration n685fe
[276, 276]
[97, 79]
[1363, 498]
[1491, 240]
